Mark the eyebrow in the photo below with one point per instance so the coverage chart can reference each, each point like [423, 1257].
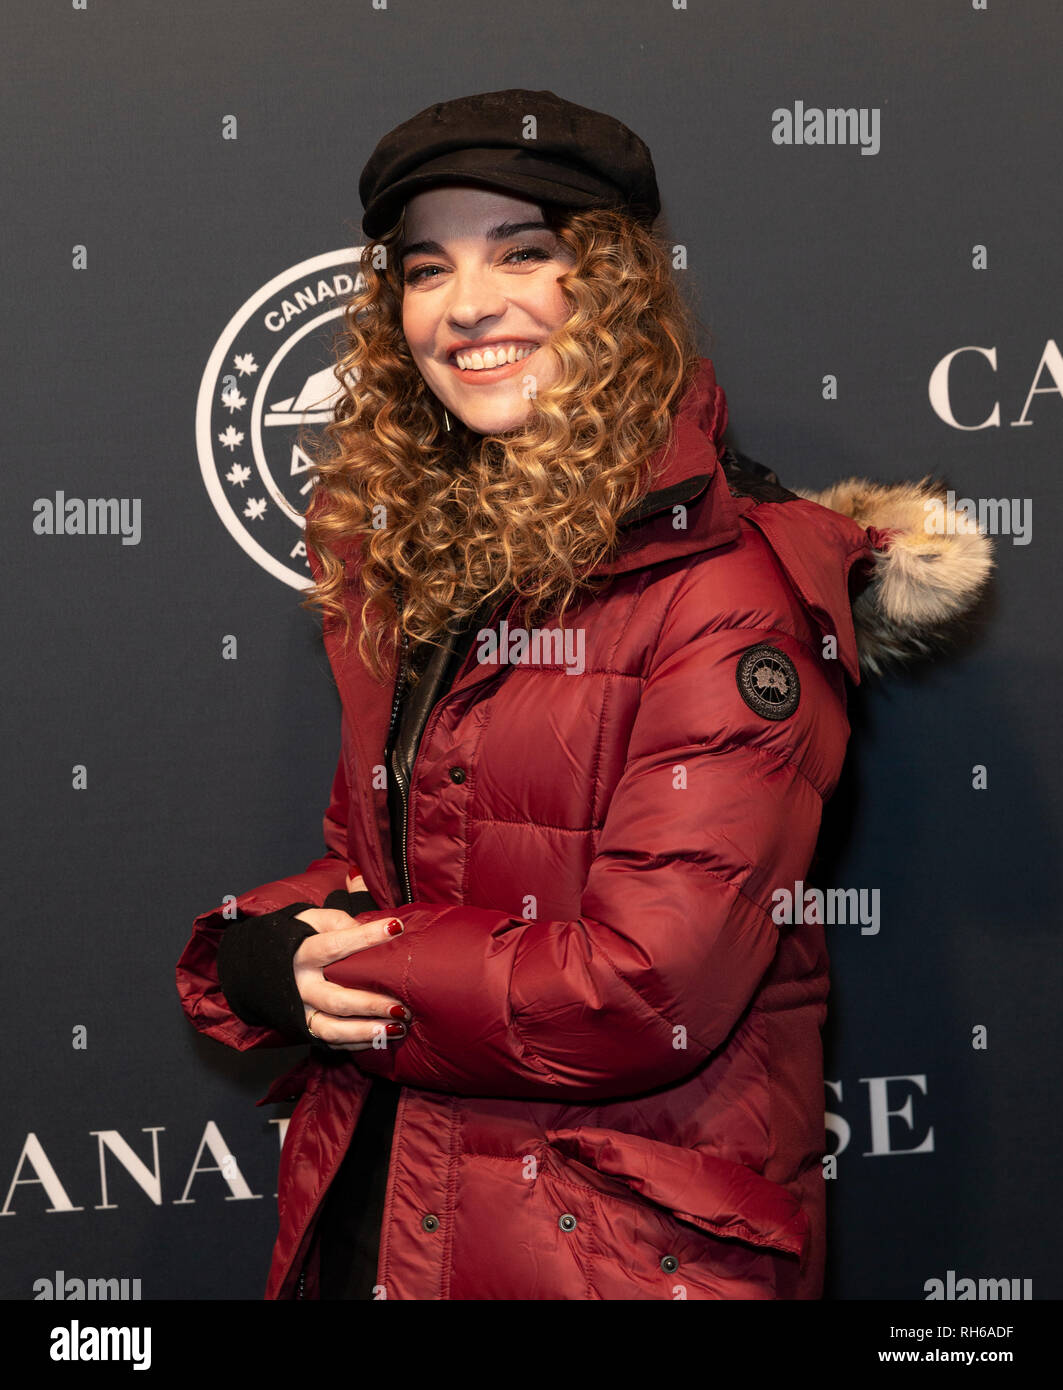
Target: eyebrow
[502, 232]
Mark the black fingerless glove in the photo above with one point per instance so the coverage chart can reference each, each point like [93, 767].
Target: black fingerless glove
[254, 964]
[362, 901]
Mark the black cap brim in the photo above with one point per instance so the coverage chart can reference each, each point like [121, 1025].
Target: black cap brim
[528, 175]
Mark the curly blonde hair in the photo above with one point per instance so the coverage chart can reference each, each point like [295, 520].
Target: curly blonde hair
[468, 517]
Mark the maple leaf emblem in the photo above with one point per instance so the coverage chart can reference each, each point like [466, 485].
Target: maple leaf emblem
[232, 399]
[238, 474]
[768, 678]
[245, 364]
[255, 509]
[231, 438]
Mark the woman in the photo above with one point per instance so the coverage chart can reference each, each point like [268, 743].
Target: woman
[563, 1044]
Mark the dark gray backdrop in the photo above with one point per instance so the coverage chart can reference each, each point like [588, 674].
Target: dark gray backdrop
[207, 776]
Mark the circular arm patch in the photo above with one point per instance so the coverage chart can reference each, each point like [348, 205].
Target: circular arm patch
[768, 682]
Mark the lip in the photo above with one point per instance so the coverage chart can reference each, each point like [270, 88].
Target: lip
[486, 375]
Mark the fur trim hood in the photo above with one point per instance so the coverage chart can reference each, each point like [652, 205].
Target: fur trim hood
[910, 583]
[921, 585]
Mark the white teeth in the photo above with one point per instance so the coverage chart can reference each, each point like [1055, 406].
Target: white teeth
[491, 357]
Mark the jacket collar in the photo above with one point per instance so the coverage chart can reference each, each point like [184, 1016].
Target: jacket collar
[817, 554]
[683, 469]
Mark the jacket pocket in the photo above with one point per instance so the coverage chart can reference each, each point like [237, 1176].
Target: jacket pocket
[715, 1194]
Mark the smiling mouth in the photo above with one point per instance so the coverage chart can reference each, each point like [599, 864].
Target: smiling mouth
[472, 361]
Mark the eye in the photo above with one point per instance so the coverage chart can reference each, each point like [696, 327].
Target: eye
[422, 273]
[535, 252]
[411, 277]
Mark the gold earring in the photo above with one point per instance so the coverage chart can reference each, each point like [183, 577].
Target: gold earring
[446, 420]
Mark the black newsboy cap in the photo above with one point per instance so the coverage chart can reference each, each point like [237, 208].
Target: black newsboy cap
[571, 155]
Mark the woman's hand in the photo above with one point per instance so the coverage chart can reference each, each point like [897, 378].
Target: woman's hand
[346, 1019]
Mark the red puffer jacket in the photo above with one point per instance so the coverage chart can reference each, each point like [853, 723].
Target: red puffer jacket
[613, 1080]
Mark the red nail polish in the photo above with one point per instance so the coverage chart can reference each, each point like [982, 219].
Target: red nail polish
[394, 927]
[397, 1011]
[395, 1030]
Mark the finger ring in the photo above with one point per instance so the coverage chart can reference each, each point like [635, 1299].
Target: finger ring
[313, 1014]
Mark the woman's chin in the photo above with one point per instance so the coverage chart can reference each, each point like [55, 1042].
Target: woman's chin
[495, 421]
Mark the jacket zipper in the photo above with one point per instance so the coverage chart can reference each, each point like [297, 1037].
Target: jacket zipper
[301, 1289]
[400, 684]
[407, 890]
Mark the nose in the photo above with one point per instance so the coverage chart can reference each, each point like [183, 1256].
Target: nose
[473, 295]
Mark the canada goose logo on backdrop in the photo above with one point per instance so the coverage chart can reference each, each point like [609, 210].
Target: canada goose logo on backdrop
[268, 375]
[1047, 380]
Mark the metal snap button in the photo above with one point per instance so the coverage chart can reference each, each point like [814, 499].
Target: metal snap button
[430, 1223]
[669, 1264]
[567, 1222]
[457, 774]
